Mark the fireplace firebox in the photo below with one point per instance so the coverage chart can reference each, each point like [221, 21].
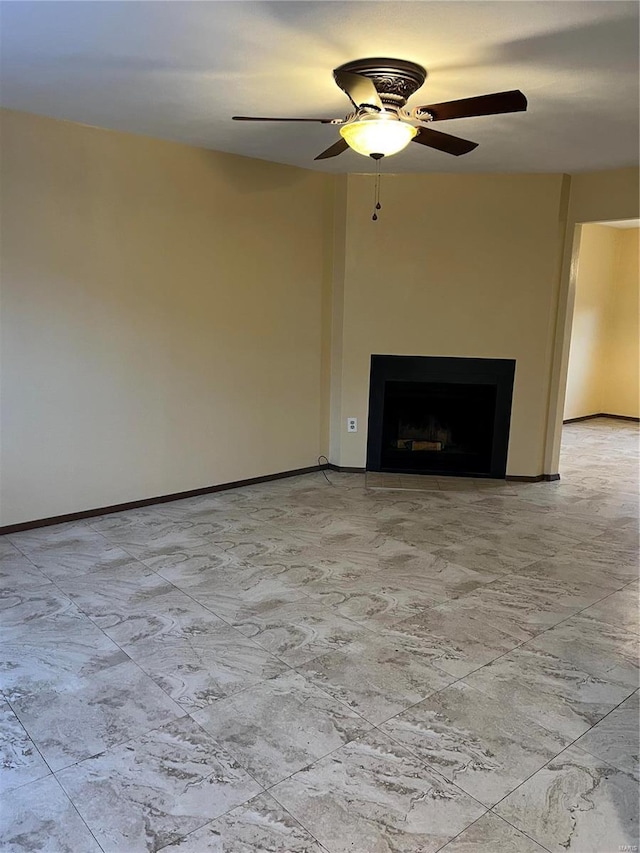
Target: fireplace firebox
[436, 415]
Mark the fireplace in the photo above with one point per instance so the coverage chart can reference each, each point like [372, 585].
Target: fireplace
[445, 416]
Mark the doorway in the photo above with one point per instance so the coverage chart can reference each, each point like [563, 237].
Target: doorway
[604, 350]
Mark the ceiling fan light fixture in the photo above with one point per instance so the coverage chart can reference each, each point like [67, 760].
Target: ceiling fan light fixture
[377, 134]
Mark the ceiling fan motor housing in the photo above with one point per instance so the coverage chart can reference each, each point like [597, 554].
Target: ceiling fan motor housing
[395, 79]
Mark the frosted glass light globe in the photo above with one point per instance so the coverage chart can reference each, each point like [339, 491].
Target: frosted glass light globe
[377, 135]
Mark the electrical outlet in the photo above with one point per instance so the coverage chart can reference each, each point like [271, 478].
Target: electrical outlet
[352, 425]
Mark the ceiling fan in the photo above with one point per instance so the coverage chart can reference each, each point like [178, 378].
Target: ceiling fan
[379, 124]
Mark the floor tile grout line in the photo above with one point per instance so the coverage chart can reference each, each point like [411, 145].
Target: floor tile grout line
[491, 808]
[186, 712]
[530, 776]
[443, 849]
[240, 806]
[179, 589]
[145, 734]
[240, 759]
[77, 811]
[610, 593]
[295, 668]
[126, 740]
[398, 744]
[37, 748]
[123, 649]
[489, 696]
[570, 745]
[265, 789]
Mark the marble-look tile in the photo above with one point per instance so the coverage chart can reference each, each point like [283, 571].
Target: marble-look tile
[557, 695]
[605, 650]
[428, 534]
[495, 486]
[279, 726]
[377, 675]
[40, 817]
[143, 526]
[373, 795]
[621, 608]
[370, 602]
[487, 555]
[151, 534]
[200, 668]
[103, 594]
[453, 640]
[491, 834]
[7, 548]
[615, 739]
[25, 605]
[302, 574]
[20, 761]
[371, 557]
[67, 536]
[70, 550]
[613, 551]
[149, 792]
[365, 545]
[237, 606]
[300, 631]
[52, 649]
[264, 543]
[536, 536]
[150, 616]
[83, 716]
[259, 826]
[524, 607]
[462, 734]
[457, 484]
[190, 566]
[571, 567]
[304, 571]
[435, 577]
[18, 573]
[577, 802]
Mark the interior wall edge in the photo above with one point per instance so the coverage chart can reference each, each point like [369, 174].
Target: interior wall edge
[158, 499]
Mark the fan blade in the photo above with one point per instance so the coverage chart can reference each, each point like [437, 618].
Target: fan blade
[261, 118]
[333, 150]
[443, 141]
[482, 105]
[359, 89]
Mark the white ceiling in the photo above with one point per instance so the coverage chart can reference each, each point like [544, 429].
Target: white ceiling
[179, 70]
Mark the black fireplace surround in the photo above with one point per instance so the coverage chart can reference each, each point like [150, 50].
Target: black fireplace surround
[436, 415]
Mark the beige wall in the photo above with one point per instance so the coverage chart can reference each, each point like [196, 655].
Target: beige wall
[594, 197]
[174, 318]
[161, 317]
[604, 357]
[595, 284]
[620, 378]
[456, 265]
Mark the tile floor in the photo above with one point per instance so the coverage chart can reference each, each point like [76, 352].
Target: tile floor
[396, 665]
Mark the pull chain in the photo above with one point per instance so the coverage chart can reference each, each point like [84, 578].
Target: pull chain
[377, 205]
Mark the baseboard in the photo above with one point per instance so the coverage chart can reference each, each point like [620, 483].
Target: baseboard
[160, 499]
[207, 490]
[602, 415]
[539, 478]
